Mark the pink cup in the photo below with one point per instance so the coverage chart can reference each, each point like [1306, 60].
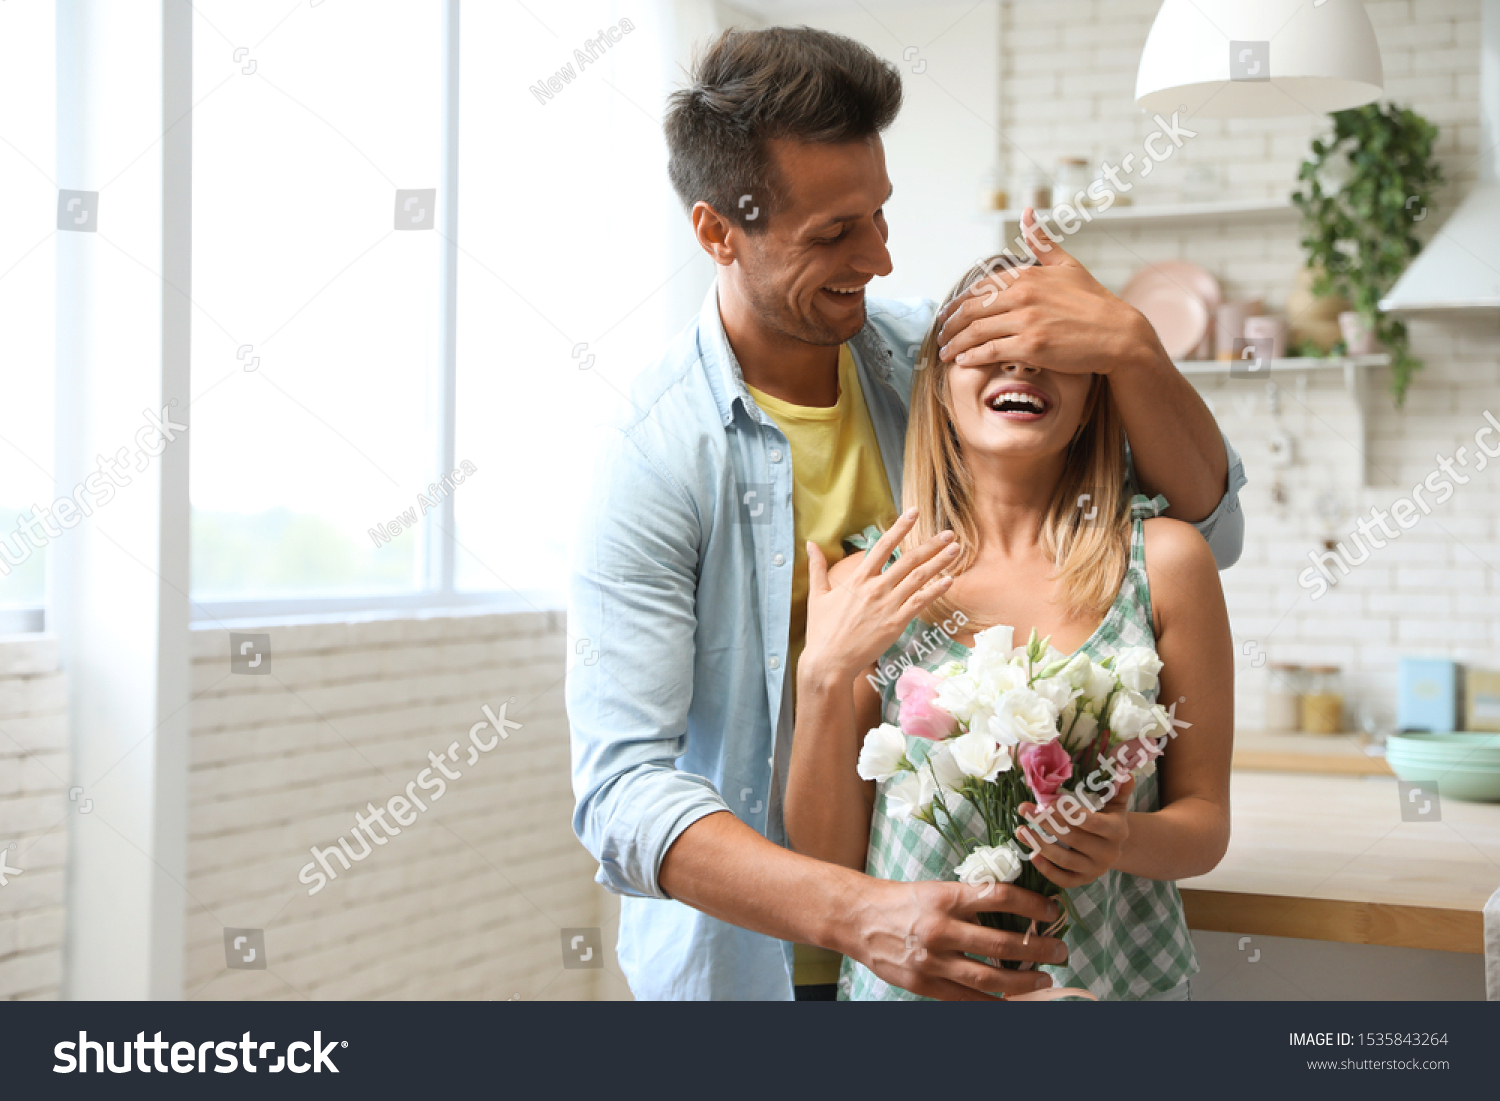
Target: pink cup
[1229, 322]
[1266, 327]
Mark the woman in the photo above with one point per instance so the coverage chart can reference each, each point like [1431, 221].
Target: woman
[1017, 513]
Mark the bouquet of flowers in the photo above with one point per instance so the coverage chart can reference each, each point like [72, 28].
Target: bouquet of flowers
[1010, 726]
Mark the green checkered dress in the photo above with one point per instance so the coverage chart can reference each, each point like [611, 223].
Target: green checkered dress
[1131, 939]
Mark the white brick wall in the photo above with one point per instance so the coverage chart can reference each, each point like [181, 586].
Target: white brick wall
[34, 812]
[470, 900]
[1068, 69]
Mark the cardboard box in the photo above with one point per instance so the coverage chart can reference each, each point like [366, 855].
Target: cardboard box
[1427, 695]
[1482, 700]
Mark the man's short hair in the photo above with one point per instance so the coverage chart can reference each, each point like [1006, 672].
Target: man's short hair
[750, 87]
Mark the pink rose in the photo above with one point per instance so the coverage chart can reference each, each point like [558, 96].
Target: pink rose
[921, 717]
[1045, 767]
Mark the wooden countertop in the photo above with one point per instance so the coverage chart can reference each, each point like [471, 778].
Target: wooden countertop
[1328, 857]
[1333, 754]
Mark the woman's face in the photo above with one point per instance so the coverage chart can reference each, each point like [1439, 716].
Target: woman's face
[1015, 409]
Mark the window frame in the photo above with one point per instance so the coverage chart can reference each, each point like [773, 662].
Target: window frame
[438, 555]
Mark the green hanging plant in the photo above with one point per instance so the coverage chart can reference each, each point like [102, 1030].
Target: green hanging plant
[1358, 235]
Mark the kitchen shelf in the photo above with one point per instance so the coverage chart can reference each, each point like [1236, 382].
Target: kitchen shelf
[1353, 368]
[1166, 214]
[1280, 366]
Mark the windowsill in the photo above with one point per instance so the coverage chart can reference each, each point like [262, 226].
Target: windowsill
[22, 621]
[218, 615]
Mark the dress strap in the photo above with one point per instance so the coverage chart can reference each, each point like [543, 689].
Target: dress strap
[865, 541]
[1143, 507]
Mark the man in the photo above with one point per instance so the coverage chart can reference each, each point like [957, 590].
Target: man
[778, 417]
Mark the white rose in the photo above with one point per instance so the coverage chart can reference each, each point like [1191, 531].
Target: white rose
[940, 761]
[960, 696]
[1077, 671]
[1137, 668]
[883, 754]
[948, 669]
[994, 640]
[1100, 684]
[978, 755]
[995, 673]
[941, 777]
[903, 799]
[1132, 716]
[1056, 690]
[991, 864]
[1085, 728]
[1027, 717]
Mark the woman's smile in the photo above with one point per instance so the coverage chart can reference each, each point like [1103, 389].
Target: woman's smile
[1017, 401]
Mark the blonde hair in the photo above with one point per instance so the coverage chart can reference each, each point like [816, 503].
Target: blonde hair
[1091, 549]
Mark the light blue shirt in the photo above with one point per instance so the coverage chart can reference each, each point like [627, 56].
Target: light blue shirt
[682, 585]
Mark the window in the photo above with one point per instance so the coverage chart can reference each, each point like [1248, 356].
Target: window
[315, 329]
[351, 444]
[576, 266]
[28, 195]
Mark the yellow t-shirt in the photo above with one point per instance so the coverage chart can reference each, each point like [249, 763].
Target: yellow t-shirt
[838, 488]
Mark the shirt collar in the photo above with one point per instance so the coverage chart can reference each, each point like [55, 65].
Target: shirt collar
[727, 379]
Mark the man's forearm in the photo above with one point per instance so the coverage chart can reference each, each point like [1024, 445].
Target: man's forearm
[1174, 441]
[723, 867]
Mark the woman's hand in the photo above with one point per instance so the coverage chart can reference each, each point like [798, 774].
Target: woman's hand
[1087, 843]
[851, 623]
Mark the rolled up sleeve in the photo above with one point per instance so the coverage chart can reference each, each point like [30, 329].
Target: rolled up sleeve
[632, 597]
[1224, 527]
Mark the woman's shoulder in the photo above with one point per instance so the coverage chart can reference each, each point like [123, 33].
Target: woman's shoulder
[1179, 562]
[1175, 545]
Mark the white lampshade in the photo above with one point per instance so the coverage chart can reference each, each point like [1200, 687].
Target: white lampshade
[1257, 58]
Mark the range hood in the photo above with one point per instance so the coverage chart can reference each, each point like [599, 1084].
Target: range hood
[1460, 267]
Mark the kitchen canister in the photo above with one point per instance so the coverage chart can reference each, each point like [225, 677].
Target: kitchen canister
[1323, 701]
[1073, 177]
[1032, 189]
[1283, 700]
[1229, 322]
[1268, 328]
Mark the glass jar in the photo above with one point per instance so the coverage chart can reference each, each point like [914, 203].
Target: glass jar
[992, 195]
[1323, 702]
[1032, 189]
[1283, 699]
[1073, 176]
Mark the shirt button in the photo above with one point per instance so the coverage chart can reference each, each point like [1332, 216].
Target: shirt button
[775, 455]
[778, 559]
[775, 662]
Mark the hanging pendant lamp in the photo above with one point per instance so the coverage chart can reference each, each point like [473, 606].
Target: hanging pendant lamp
[1259, 58]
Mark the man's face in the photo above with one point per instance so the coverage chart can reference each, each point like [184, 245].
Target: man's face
[804, 277]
